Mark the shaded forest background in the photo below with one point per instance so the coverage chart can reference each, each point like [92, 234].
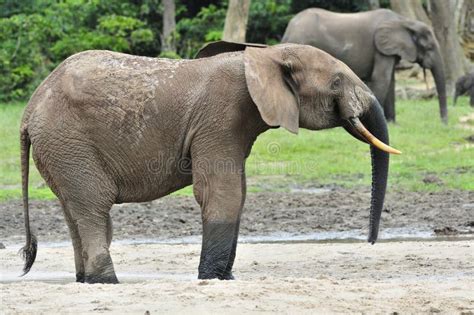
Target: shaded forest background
[36, 35]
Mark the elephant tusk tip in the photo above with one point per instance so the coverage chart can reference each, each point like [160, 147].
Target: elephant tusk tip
[382, 146]
[395, 151]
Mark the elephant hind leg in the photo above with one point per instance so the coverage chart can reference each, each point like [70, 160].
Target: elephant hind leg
[109, 231]
[92, 220]
[79, 259]
[87, 194]
[76, 244]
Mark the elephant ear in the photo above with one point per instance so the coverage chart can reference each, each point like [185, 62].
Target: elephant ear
[268, 81]
[220, 47]
[394, 38]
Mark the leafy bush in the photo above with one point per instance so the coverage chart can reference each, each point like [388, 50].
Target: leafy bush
[268, 20]
[206, 26]
[36, 35]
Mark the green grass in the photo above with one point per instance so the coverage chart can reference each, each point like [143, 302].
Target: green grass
[10, 175]
[280, 159]
[334, 157]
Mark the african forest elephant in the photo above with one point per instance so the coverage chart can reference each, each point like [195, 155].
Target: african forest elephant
[371, 43]
[110, 128]
[465, 85]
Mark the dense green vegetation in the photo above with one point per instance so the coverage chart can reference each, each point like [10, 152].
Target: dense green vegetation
[280, 159]
[36, 35]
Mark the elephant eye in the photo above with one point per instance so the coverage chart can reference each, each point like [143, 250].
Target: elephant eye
[336, 84]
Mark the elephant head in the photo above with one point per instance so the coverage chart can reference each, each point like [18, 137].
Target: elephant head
[414, 41]
[297, 86]
[463, 85]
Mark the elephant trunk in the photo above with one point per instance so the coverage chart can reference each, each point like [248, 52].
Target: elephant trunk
[438, 74]
[375, 122]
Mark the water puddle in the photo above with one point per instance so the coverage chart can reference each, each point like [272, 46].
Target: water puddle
[351, 236]
[310, 190]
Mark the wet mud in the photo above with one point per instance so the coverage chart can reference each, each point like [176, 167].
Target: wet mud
[334, 210]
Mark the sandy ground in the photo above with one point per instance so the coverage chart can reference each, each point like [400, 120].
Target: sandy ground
[390, 278]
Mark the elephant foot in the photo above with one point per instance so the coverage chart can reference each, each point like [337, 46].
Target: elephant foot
[100, 270]
[208, 276]
[228, 276]
[91, 279]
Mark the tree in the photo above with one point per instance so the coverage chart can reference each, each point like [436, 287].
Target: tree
[236, 20]
[442, 13]
[168, 40]
[373, 4]
[411, 9]
[464, 19]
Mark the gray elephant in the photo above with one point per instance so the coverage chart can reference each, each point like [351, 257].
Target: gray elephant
[108, 128]
[371, 43]
[465, 85]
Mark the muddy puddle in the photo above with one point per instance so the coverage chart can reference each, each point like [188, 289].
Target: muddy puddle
[352, 236]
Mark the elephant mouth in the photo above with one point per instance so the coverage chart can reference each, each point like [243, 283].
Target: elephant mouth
[363, 133]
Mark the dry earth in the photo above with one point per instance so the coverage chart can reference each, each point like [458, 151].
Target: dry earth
[388, 278]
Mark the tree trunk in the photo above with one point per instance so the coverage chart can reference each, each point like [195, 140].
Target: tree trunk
[457, 12]
[464, 20]
[411, 9]
[236, 20]
[168, 41]
[444, 25]
[374, 4]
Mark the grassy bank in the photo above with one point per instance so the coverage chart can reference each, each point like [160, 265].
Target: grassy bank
[434, 156]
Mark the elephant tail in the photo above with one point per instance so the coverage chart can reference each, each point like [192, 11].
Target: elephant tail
[28, 252]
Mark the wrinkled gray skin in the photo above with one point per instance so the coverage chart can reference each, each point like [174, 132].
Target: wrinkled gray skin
[371, 43]
[110, 128]
[465, 85]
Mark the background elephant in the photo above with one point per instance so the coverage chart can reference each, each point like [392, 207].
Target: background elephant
[371, 43]
[109, 128]
[465, 85]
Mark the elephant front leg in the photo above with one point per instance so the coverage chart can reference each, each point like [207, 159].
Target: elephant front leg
[382, 83]
[389, 105]
[221, 196]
